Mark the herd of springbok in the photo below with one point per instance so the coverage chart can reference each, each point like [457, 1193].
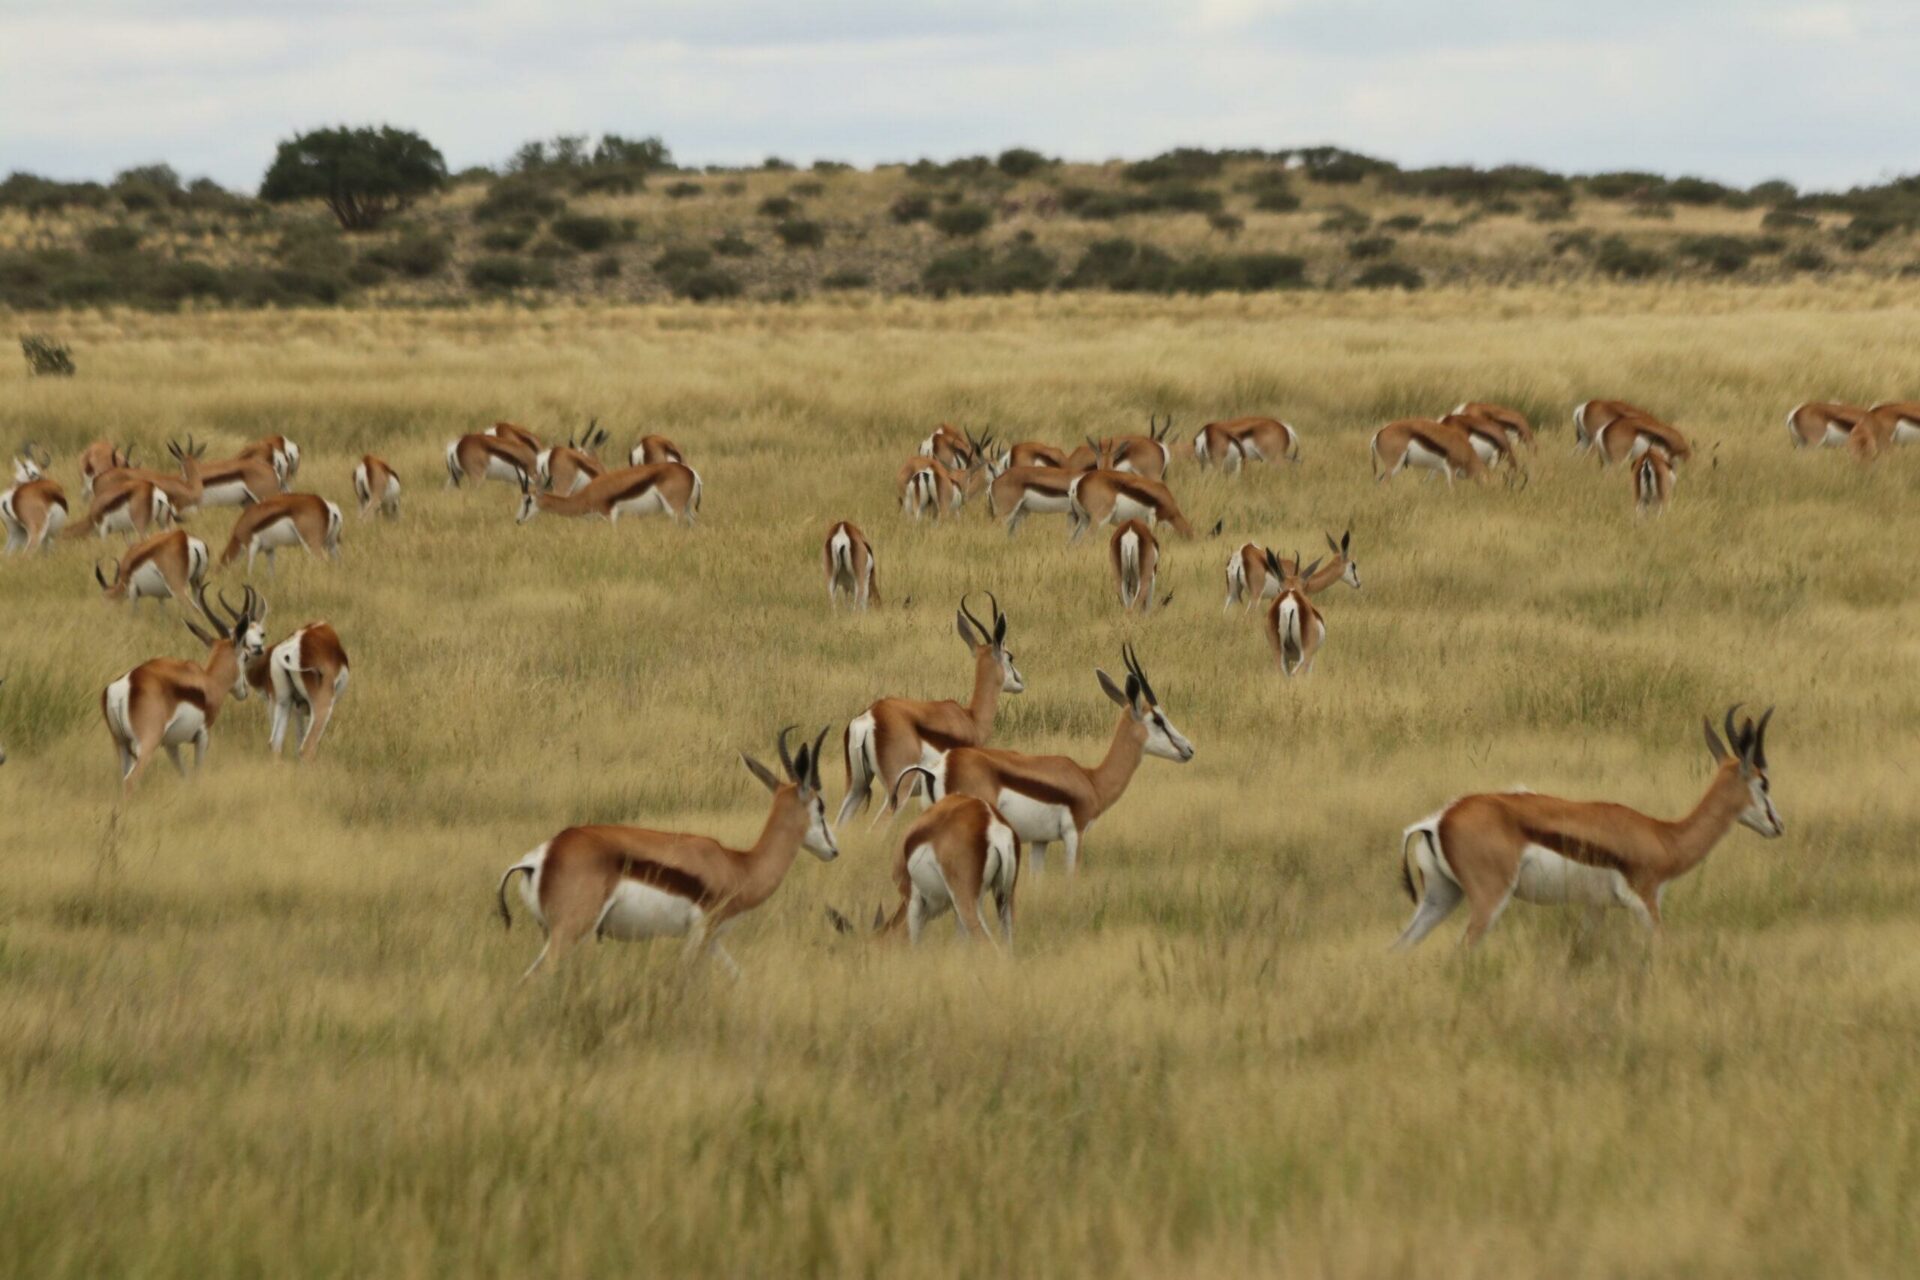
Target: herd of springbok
[983, 804]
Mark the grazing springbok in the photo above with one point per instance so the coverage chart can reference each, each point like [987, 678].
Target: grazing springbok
[1491, 848]
[1019, 492]
[1108, 497]
[1440, 447]
[896, 732]
[1625, 439]
[31, 463]
[239, 481]
[1488, 438]
[516, 433]
[184, 491]
[1823, 423]
[278, 452]
[33, 511]
[97, 458]
[482, 456]
[1149, 455]
[168, 702]
[377, 486]
[1295, 629]
[1593, 417]
[304, 676]
[1230, 443]
[1652, 482]
[284, 520]
[167, 566]
[630, 883]
[849, 561]
[568, 468]
[1518, 429]
[1888, 424]
[131, 508]
[927, 487]
[950, 448]
[1035, 453]
[658, 488]
[1049, 798]
[1905, 418]
[1135, 554]
[650, 449]
[953, 856]
[1248, 579]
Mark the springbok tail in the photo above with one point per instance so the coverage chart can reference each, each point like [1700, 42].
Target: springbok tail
[893, 795]
[528, 864]
[454, 474]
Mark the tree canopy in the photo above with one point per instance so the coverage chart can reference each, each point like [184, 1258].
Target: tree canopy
[362, 174]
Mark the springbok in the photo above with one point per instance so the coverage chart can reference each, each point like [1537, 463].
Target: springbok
[1823, 423]
[1488, 438]
[896, 732]
[1295, 629]
[1237, 440]
[1035, 453]
[1135, 554]
[926, 486]
[630, 883]
[1107, 497]
[954, 855]
[168, 702]
[1444, 448]
[1491, 848]
[1625, 439]
[99, 457]
[33, 511]
[1018, 492]
[1899, 420]
[658, 488]
[650, 449]
[1049, 798]
[1593, 417]
[1652, 482]
[1148, 455]
[483, 456]
[131, 508]
[569, 468]
[31, 463]
[278, 452]
[1518, 429]
[184, 491]
[167, 566]
[377, 487]
[849, 562]
[304, 675]
[519, 435]
[1873, 435]
[239, 481]
[1248, 579]
[284, 520]
[950, 448]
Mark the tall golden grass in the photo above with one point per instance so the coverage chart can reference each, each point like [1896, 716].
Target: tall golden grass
[266, 1021]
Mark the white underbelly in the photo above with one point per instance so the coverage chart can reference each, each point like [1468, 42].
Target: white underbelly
[1906, 431]
[1125, 509]
[923, 868]
[56, 520]
[280, 533]
[118, 520]
[147, 580]
[1549, 879]
[1835, 437]
[186, 725]
[1419, 455]
[1034, 820]
[580, 481]
[652, 502]
[1488, 452]
[641, 911]
[501, 469]
[1046, 504]
[228, 493]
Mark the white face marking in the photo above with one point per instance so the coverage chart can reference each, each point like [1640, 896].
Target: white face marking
[1352, 575]
[819, 838]
[1011, 681]
[1760, 815]
[1163, 739]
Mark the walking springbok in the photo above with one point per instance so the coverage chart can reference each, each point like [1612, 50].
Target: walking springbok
[377, 487]
[1443, 448]
[1018, 492]
[1823, 423]
[131, 508]
[285, 520]
[99, 457]
[1230, 443]
[33, 511]
[1049, 798]
[1652, 482]
[651, 449]
[1135, 553]
[167, 566]
[1248, 579]
[1106, 497]
[482, 457]
[568, 468]
[304, 676]
[953, 856]
[1491, 848]
[168, 702]
[630, 883]
[658, 488]
[1295, 629]
[849, 561]
[1593, 417]
[893, 733]
[1625, 439]
[1148, 455]
[1519, 431]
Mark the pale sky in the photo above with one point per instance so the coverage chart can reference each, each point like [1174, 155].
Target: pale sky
[1821, 93]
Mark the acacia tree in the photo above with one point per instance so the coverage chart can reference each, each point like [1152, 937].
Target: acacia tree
[362, 174]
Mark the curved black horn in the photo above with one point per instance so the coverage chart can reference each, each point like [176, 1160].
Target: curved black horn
[1733, 738]
[813, 765]
[236, 618]
[1133, 665]
[200, 599]
[985, 635]
[997, 615]
[101, 578]
[786, 757]
[1760, 738]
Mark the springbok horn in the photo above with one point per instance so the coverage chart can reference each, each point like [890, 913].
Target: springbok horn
[200, 635]
[1733, 739]
[236, 618]
[200, 598]
[101, 578]
[1760, 739]
[814, 763]
[786, 757]
[986, 636]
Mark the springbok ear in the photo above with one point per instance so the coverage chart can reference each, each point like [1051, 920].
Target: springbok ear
[1332, 545]
[961, 625]
[1113, 690]
[760, 771]
[1000, 630]
[1346, 541]
[1715, 747]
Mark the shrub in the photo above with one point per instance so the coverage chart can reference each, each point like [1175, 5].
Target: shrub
[734, 245]
[501, 271]
[907, 209]
[1805, 258]
[807, 190]
[1370, 247]
[800, 233]
[518, 197]
[1121, 266]
[707, 285]
[606, 267]
[1403, 222]
[507, 239]
[365, 271]
[418, 254]
[1021, 162]
[47, 357]
[584, 232]
[362, 175]
[1229, 225]
[1182, 164]
[113, 238]
[846, 278]
[550, 250]
[1694, 191]
[831, 166]
[37, 195]
[1557, 209]
[779, 207]
[1865, 230]
[1622, 185]
[1261, 271]
[1336, 167]
[1565, 242]
[1722, 255]
[1189, 199]
[683, 258]
[1241, 273]
[683, 190]
[963, 220]
[973, 270]
[1345, 221]
[1276, 202]
[1789, 220]
[1623, 261]
[1390, 275]
[1441, 228]
[774, 164]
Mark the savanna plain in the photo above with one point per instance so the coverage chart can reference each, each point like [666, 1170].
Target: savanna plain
[267, 1021]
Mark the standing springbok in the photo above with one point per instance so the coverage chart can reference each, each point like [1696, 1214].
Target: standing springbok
[650, 449]
[1049, 798]
[1823, 423]
[630, 883]
[184, 491]
[1230, 443]
[953, 856]
[1295, 629]
[927, 486]
[1898, 421]
[98, 457]
[849, 562]
[33, 510]
[1106, 497]
[304, 675]
[278, 452]
[1135, 554]
[1488, 438]
[31, 463]
[949, 448]
[1149, 455]
[1518, 429]
[239, 481]
[1652, 482]
[1035, 453]
[483, 456]
[131, 508]
[168, 702]
[1248, 579]
[285, 520]
[658, 488]
[1440, 447]
[1018, 492]
[896, 732]
[167, 566]
[1593, 416]
[1492, 848]
[568, 468]
[1625, 439]
[377, 487]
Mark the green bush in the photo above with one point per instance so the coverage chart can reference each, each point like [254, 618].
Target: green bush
[683, 258]
[36, 195]
[1565, 242]
[1868, 229]
[502, 271]
[1805, 258]
[606, 267]
[1403, 222]
[586, 233]
[114, 238]
[1188, 199]
[683, 190]
[1370, 247]
[915, 208]
[1776, 191]
[734, 245]
[846, 278]
[800, 233]
[1652, 210]
[1390, 275]
[551, 250]
[808, 190]
[1182, 164]
[1789, 220]
[1623, 261]
[365, 272]
[707, 285]
[361, 175]
[519, 198]
[1696, 191]
[1722, 255]
[1021, 162]
[779, 207]
[1229, 225]
[1121, 266]
[1622, 185]
[47, 357]
[975, 270]
[1276, 202]
[418, 254]
[509, 238]
[963, 220]
[1345, 221]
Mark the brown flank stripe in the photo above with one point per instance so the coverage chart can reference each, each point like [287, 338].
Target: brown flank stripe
[671, 879]
[1575, 849]
[633, 491]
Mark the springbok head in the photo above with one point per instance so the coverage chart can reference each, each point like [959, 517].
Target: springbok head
[1344, 550]
[31, 464]
[1746, 750]
[803, 772]
[1138, 699]
[244, 628]
[1157, 431]
[977, 636]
